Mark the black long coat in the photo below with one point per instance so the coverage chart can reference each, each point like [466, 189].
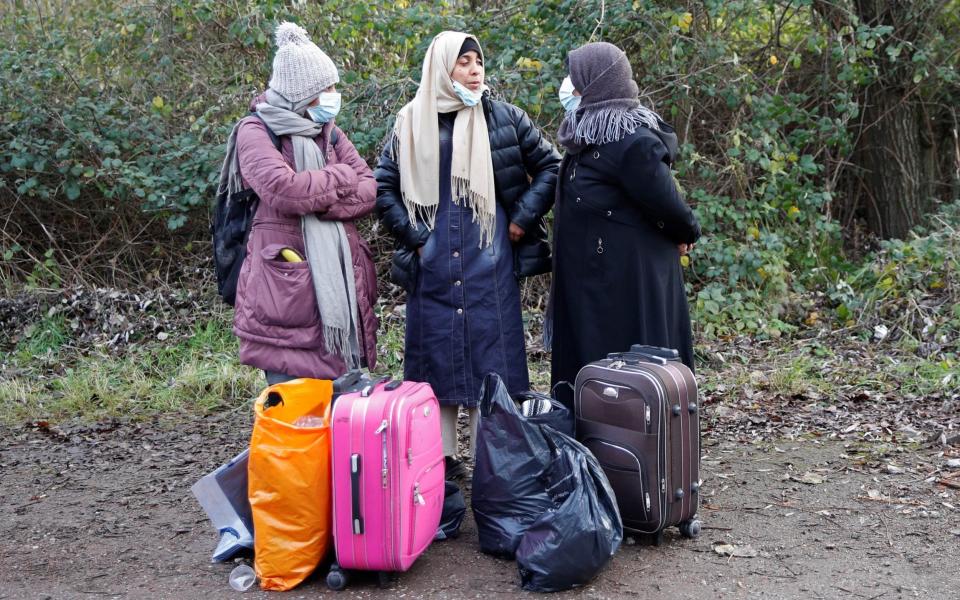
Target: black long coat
[617, 275]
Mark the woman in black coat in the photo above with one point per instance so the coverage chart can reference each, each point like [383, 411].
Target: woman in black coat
[463, 186]
[620, 226]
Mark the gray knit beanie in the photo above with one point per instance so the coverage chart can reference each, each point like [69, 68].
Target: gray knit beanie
[301, 70]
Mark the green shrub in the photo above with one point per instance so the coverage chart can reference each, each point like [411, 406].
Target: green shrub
[114, 105]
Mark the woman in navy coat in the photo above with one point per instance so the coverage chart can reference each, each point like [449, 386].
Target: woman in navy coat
[463, 186]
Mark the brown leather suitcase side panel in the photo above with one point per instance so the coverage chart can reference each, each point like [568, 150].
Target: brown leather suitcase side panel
[682, 439]
[641, 421]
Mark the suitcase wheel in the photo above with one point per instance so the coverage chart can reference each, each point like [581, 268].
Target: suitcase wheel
[383, 579]
[657, 538]
[690, 528]
[337, 578]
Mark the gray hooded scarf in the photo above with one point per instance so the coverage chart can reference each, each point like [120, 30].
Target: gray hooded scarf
[609, 108]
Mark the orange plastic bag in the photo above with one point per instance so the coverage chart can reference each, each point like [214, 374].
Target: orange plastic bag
[289, 483]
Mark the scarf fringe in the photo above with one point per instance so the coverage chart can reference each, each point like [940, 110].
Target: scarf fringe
[338, 341]
[612, 124]
[487, 222]
[420, 214]
[395, 142]
[230, 179]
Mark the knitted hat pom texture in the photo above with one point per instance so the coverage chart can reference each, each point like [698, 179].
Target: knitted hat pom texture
[301, 70]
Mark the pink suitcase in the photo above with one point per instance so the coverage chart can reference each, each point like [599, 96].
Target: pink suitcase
[388, 478]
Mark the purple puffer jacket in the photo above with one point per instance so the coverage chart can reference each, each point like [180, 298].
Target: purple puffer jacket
[276, 316]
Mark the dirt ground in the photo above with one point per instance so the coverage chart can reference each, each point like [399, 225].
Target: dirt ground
[105, 511]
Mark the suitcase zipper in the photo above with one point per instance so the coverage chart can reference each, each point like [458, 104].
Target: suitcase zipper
[417, 496]
[384, 471]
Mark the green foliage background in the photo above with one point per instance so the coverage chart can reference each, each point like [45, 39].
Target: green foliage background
[115, 114]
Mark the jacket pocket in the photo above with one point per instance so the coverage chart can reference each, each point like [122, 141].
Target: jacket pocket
[283, 291]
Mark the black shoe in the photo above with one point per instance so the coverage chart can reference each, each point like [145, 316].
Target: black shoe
[455, 469]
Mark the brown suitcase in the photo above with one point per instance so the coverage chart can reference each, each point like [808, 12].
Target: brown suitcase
[638, 413]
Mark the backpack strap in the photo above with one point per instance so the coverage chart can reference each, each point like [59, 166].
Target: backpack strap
[273, 137]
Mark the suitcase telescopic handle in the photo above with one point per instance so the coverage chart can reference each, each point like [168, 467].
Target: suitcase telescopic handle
[356, 517]
[667, 353]
[347, 381]
[636, 357]
[369, 389]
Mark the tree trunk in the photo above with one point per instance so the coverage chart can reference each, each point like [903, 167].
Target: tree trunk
[895, 181]
[894, 153]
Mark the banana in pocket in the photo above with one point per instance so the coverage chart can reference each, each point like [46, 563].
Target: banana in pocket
[291, 255]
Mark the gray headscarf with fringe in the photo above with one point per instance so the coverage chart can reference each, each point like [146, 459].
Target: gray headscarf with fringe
[609, 107]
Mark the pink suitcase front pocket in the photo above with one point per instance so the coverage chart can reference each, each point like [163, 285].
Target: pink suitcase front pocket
[427, 507]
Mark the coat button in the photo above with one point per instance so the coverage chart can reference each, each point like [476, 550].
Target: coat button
[578, 199]
[459, 311]
[660, 224]
[609, 213]
[457, 283]
[596, 154]
[456, 254]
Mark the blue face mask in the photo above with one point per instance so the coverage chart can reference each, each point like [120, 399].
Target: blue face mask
[467, 96]
[567, 99]
[327, 108]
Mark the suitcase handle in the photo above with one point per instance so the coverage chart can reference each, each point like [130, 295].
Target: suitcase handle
[636, 357]
[356, 517]
[365, 393]
[347, 380]
[667, 353]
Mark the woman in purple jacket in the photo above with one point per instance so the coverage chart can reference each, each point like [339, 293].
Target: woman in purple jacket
[307, 288]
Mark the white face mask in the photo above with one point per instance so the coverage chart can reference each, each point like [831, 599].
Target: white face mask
[327, 107]
[467, 96]
[567, 99]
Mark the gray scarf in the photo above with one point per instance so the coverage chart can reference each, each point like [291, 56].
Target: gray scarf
[609, 107]
[326, 243]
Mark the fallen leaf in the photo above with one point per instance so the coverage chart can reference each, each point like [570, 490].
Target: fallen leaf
[746, 551]
[808, 478]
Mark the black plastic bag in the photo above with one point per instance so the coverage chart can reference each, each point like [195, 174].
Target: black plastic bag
[511, 453]
[559, 418]
[568, 545]
[454, 509]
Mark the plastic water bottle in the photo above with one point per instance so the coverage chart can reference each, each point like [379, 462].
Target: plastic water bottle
[242, 577]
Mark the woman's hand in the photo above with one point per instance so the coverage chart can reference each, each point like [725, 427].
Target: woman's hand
[515, 232]
[685, 248]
